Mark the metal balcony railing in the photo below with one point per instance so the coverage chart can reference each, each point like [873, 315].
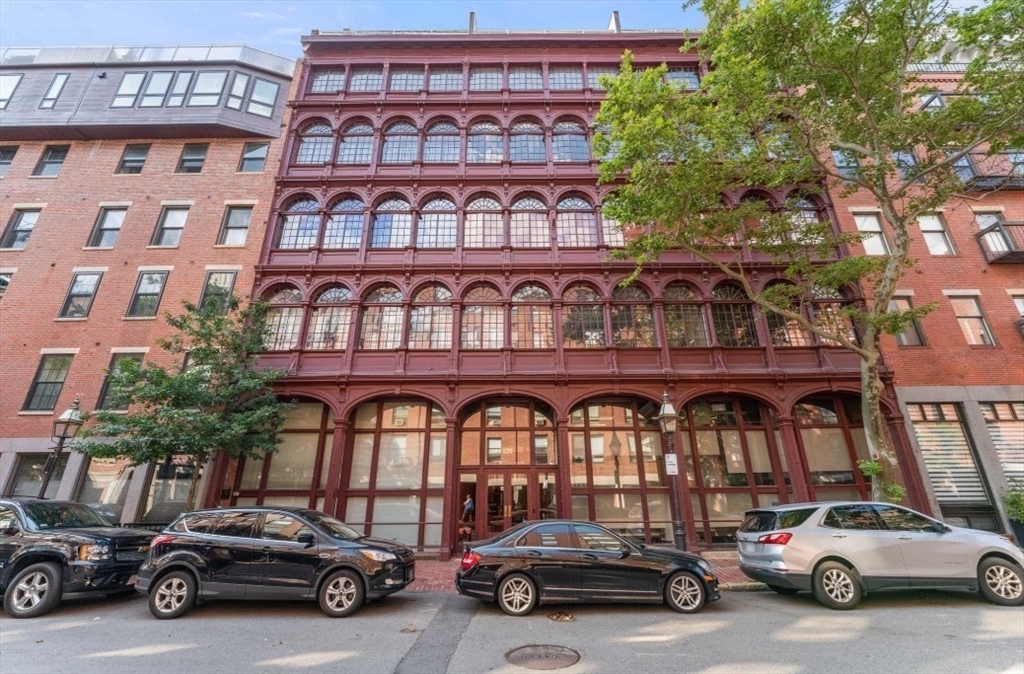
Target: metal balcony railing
[1004, 170]
[1002, 243]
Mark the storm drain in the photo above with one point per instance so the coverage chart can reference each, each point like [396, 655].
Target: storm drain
[542, 656]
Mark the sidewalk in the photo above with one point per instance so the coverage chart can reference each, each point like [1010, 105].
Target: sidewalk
[435, 576]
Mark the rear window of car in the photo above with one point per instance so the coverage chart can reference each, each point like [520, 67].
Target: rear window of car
[200, 523]
[770, 520]
[758, 521]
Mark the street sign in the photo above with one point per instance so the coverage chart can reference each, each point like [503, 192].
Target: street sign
[671, 467]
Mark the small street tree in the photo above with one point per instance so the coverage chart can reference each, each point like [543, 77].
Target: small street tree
[213, 399]
[823, 95]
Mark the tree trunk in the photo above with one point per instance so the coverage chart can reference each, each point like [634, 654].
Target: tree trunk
[879, 447]
[193, 486]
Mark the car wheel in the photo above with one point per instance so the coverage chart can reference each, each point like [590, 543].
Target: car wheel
[1001, 582]
[173, 595]
[785, 591]
[34, 591]
[836, 586]
[685, 593]
[342, 594]
[517, 595]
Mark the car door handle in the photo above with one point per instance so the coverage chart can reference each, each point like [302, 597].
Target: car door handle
[589, 557]
[534, 553]
[838, 535]
[904, 538]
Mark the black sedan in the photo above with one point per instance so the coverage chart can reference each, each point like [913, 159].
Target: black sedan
[553, 561]
[269, 553]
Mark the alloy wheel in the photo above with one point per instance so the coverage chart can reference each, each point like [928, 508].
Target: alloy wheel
[686, 592]
[838, 585]
[341, 592]
[517, 594]
[171, 595]
[30, 591]
[1003, 581]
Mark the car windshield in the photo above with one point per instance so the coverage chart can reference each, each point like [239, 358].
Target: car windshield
[63, 515]
[332, 527]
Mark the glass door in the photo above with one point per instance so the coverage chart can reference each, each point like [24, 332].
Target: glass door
[517, 496]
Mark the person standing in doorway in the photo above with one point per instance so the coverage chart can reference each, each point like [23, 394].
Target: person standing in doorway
[468, 509]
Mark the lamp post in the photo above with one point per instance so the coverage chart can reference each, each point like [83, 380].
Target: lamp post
[669, 421]
[65, 427]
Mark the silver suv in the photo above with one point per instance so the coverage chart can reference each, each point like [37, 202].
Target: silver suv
[841, 550]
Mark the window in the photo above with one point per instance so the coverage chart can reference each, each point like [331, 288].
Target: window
[1005, 422]
[483, 319]
[7, 158]
[529, 225]
[582, 318]
[80, 295]
[345, 224]
[446, 79]
[1016, 159]
[874, 240]
[217, 291]
[430, 321]
[547, 536]
[911, 335]
[20, 229]
[106, 483]
[5, 280]
[237, 525]
[526, 143]
[733, 316]
[392, 224]
[532, 322]
[111, 397]
[787, 331]
[485, 144]
[300, 224]
[828, 310]
[684, 77]
[327, 81]
[947, 454]
[264, 98]
[569, 142]
[148, 291]
[485, 79]
[193, 156]
[565, 78]
[592, 538]
[29, 475]
[107, 227]
[156, 90]
[382, 319]
[177, 96]
[8, 83]
[235, 228]
[330, 320]
[280, 527]
[207, 89]
[684, 316]
[48, 382]
[53, 91]
[594, 74]
[254, 157]
[128, 90]
[400, 144]
[994, 240]
[442, 144]
[898, 519]
[284, 319]
[905, 162]
[934, 102]
[316, 144]
[133, 159]
[525, 79]
[356, 146]
[1018, 303]
[632, 318]
[437, 224]
[170, 226]
[575, 223]
[365, 80]
[935, 235]
[846, 163]
[237, 93]
[406, 79]
[484, 225]
[972, 320]
[856, 517]
[964, 168]
[51, 161]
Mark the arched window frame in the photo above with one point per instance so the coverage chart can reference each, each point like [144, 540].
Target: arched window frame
[442, 143]
[483, 319]
[392, 223]
[526, 144]
[575, 223]
[401, 142]
[316, 144]
[787, 332]
[685, 325]
[284, 318]
[632, 318]
[330, 319]
[431, 318]
[569, 142]
[485, 143]
[299, 224]
[437, 223]
[804, 213]
[827, 310]
[382, 319]
[732, 314]
[825, 425]
[532, 319]
[356, 145]
[484, 223]
[529, 226]
[344, 224]
[583, 325]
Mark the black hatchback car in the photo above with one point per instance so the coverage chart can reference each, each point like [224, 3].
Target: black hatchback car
[554, 561]
[268, 552]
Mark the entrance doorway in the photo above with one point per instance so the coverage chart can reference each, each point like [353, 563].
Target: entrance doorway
[512, 496]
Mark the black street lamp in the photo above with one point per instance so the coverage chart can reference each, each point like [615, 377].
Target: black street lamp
[669, 422]
[65, 427]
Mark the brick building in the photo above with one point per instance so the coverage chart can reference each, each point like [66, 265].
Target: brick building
[130, 179]
[452, 323]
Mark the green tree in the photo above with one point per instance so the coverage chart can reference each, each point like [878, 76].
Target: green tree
[212, 400]
[790, 82]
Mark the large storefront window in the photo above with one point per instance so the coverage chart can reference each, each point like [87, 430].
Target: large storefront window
[28, 476]
[168, 492]
[105, 486]
[831, 432]
[1005, 423]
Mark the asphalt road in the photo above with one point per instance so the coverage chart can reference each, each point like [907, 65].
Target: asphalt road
[745, 632]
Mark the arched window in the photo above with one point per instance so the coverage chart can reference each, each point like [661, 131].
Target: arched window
[788, 331]
[442, 144]
[684, 316]
[316, 144]
[400, 142]
[529, 226]
[382, 319]
[569, 142]
[284, 318]
[484, 226]
[430, 322]
[483, 319]
[582, 318]
[485, 144]
[733, 316]
[392, 224]
[576, 223]
[526, 143]
[632, 318]
[533, 326]
[829, 309]
[345, 224]
[831, 431]
[356, 146]
[804, 215]
[300, 224]
[330, 320]
[437, 224]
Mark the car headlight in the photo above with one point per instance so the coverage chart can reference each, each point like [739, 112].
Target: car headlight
[379, 555]
[705, 565]
[93, 553]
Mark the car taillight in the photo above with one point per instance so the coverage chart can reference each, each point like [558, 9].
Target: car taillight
[775, 539]
[161, 540]
[469, 560]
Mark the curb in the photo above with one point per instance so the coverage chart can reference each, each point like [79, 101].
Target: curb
[743, 587]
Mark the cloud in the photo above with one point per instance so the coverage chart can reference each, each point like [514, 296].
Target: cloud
[263, 16]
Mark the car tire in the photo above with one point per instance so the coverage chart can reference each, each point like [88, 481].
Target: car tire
[684, 593]
[173, 595]
[34, 591]
[517, 594]
[342, 594]
[1001, 582]
[784, 591]
[836, 586]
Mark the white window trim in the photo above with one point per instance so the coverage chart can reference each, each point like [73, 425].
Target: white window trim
[129, 349]
[1009, 291]
[86, 270]
[8, 270]
[28, 206]
[174, 203]
[241, 202]
[223, 267]
[114, 204]
[156, 267]
[904, 293]
[959, 293]
[987, 209]
[57, 351]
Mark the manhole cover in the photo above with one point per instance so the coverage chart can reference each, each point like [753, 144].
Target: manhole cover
[542, 657]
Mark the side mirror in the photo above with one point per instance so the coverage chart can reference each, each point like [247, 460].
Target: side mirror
[941, 528]
[307, 538]
[625, 551]
[11, 530]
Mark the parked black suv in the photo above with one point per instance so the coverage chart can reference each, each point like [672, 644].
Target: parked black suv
[49, 549]
[267, 552]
